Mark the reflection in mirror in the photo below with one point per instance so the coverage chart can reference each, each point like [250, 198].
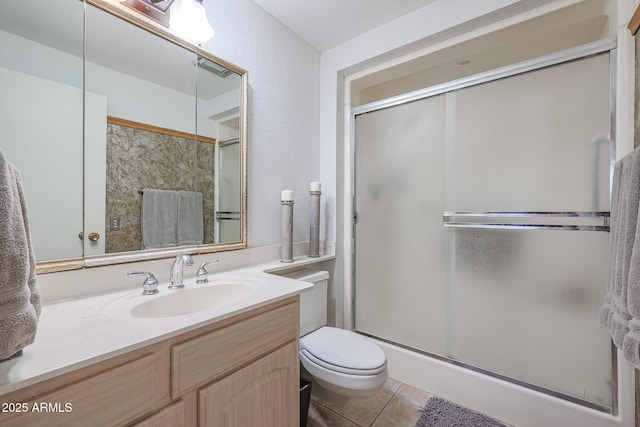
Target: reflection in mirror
[228, 177]
[162, 175]
[147, 89]
[158, 114]
[41, 117]
[219, 114]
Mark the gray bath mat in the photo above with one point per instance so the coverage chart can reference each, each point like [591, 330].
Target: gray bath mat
[442, 413]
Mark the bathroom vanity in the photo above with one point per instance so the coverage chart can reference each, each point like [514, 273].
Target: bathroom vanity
[231, 365]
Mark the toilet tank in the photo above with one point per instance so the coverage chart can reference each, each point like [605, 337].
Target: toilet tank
[313, 303]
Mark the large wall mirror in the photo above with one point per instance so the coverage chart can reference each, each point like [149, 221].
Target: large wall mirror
[131, 142]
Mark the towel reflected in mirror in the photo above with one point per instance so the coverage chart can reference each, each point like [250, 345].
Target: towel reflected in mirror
[171, 218]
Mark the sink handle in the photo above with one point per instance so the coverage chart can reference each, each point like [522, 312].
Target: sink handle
[150, 285]
[202, 276]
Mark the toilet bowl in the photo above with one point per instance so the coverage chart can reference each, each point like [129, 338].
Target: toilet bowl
[341, 364]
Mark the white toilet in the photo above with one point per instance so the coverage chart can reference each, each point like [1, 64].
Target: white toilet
[341, 363]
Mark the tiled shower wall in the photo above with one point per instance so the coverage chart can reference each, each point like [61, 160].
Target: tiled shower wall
[138, 159]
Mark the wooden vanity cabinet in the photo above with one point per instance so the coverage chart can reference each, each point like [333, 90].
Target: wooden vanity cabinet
[111, 397]
[257, 395]
[171, 416]
[240, 371]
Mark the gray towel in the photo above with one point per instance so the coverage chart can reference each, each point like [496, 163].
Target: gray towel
[159, 218]
[190, 219]
[620, 313]
[171, 218]
[19, 297]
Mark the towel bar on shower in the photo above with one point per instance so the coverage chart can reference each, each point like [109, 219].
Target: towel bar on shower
[448, 220]
[228, 215]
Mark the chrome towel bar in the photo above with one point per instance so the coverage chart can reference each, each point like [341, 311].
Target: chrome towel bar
[568, 214]
[448, 221]
[228, 215]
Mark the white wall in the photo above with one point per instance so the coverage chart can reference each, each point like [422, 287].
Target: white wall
[136, 99]
[67, 69]
[32, 111]
[128, 97]
[284, 109]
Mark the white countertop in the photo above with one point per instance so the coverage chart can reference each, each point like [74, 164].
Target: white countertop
[78, 332]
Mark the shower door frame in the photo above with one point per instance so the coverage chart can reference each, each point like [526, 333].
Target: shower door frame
[221, 215]
[609, 46]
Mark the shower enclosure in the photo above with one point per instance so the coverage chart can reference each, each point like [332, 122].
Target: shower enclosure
[481, 222]
[228, 184]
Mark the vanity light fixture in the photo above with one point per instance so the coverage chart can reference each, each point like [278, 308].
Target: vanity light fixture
[190, 21]
[158, 10]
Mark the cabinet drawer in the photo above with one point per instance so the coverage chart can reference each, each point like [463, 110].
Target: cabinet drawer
[207, 357]
[113, 397]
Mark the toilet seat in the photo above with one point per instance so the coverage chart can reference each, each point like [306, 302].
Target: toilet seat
[343, 351]
[341, 369]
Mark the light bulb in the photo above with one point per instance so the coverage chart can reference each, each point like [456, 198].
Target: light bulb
[190, 22]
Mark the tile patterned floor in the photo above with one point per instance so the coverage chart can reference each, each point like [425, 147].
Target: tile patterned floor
[396, 404]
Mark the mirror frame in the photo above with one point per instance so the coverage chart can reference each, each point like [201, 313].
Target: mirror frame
[141, 21]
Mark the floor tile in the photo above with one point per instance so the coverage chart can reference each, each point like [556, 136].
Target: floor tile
[361, 411]
[395, 405]
[319, 416]
[398, 413]
[391, 385]
[413, 395]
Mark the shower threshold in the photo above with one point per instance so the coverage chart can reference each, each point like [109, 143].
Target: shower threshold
[602, 408]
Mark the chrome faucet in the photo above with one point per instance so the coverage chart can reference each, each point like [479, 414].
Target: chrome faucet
[177, 270]
[150, 285]
[202, 276]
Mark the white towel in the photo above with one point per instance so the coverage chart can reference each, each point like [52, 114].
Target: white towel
[19, 296]
[620, 313]
[190, 219]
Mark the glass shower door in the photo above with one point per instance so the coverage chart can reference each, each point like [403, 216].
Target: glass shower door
[481, 219]
[399, 258]
[526, 220]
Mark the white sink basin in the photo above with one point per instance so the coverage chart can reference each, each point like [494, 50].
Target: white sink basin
[193, 298]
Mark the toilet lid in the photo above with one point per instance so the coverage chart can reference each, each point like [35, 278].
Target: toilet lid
[343, 351]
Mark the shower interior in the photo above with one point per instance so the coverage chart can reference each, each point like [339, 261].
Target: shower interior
[482, 216]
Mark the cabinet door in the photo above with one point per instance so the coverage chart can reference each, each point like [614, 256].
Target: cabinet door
[264, 393]
[171, 416]
[201, 360]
